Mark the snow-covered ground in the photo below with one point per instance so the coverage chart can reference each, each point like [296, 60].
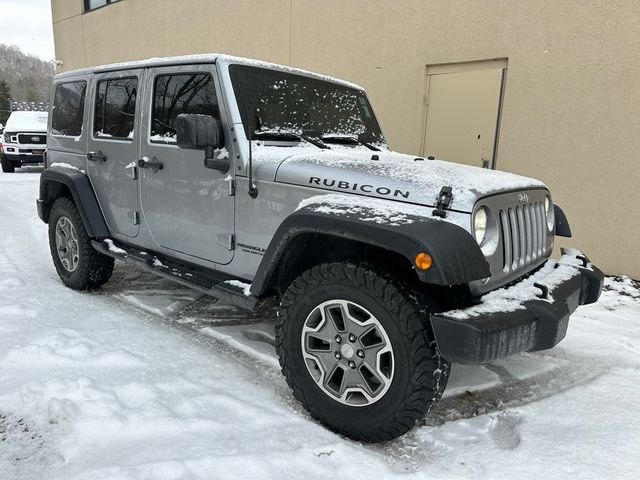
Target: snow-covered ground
[146, 379]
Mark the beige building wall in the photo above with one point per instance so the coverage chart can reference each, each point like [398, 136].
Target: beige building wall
[571, 111]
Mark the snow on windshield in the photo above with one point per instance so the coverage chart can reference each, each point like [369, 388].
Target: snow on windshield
[275, 101]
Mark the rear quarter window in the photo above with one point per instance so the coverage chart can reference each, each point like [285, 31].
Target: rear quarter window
[115, 108]
[68, 108]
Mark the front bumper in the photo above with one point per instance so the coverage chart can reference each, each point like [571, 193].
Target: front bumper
[530, 315]
[24, 158]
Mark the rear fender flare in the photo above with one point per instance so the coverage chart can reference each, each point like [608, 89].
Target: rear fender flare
[77, 183]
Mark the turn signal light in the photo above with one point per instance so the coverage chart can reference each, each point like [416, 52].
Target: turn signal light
[423, 261]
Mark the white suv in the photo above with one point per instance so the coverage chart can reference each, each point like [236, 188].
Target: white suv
[25, 140]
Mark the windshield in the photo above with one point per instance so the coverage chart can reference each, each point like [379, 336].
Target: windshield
[271, 100]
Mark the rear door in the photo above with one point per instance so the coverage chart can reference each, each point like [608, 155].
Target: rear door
[188, 207]
[113, 148]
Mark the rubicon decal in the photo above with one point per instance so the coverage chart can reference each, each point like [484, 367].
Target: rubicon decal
[356, 187]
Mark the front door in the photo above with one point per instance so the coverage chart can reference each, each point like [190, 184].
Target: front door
[463, 111]
[113, 148]
[187, 206]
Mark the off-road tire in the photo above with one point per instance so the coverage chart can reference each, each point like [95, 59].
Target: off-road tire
[94, 269]
[420, 375]
[7, 165]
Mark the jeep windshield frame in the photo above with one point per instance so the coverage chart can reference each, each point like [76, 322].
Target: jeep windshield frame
[271, 100]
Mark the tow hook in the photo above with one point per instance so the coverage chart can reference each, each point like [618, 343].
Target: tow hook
[544, 289]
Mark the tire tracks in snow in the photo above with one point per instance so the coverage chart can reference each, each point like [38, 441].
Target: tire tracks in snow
[197, 316]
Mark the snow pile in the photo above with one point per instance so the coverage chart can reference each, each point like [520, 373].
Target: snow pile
[166, 138]
[395, 171]
[245, 287]
[113, 248]
[67, 166]
[510, 299]
[27, 122]
[210, 57]
[157, 263]
[366, 209]
[146, 379]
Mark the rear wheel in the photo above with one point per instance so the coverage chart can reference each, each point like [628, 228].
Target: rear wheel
[7, 165]
[78, 264]
[357, 349]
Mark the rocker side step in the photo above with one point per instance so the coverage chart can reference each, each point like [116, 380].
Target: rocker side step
[227, 289]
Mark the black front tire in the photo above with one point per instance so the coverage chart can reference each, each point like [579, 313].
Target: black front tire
[93, 269]
[421, 373]
[7, 165]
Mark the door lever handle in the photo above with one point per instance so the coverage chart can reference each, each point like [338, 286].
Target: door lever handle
[154, 164]
[97, 156]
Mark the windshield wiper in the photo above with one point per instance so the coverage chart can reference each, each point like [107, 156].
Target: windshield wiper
[348, 139]
[289, 136]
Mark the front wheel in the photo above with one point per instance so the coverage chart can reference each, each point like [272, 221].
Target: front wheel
[78, 264]
[7, 165]
[357, 349]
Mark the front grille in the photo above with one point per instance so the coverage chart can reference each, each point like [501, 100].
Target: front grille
[524, 241]
[32, 139]
[524, 235]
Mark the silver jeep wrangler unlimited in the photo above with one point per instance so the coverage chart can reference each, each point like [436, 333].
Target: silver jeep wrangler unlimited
[264, 185]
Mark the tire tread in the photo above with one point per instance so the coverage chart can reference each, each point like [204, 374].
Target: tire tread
[94, 269]
[431, 370]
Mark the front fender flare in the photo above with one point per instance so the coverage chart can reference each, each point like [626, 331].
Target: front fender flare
[77, 183]
[457, 258]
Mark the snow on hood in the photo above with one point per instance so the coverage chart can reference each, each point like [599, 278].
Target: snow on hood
[394, 176]
[27, 122]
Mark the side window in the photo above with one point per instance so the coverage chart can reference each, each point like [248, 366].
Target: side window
[176, 94]
[68, 109]
[115, 109]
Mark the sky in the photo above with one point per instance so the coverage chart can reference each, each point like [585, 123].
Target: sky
[27, 24]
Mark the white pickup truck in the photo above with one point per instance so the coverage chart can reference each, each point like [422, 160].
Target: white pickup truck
[25, 140]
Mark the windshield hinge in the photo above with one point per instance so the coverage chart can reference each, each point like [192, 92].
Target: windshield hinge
[445, 197]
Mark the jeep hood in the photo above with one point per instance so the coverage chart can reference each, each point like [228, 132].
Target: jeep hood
[396, 176]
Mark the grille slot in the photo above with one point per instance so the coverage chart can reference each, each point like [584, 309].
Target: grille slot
[524, 235]
[27, 139]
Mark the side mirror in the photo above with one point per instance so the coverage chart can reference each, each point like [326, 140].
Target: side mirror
[202, 132]
[198, 132]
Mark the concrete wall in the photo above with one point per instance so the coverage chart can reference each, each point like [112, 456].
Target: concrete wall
[571, 112]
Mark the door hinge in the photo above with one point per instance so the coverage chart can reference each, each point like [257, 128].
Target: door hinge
[232, 187]
[133, 170]
[227, 240]
[134, 217]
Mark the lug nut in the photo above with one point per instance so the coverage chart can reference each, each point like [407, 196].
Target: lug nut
[352, 364]
[352, 337]
[338, 339]
[360, 353]
[338, 356]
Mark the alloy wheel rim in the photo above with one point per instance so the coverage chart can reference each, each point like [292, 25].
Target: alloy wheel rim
[347, 352]
[67, 244]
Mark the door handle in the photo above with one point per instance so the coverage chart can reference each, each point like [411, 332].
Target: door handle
[154, 164]
[97, 156]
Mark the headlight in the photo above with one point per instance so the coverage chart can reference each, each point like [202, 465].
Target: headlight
[549, 212]
[480, 224]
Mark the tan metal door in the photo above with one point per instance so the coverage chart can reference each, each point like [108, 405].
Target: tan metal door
[463, 110]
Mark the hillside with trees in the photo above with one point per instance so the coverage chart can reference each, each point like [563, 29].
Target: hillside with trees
[23, 78]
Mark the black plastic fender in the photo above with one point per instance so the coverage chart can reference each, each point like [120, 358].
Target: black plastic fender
[562, 224]
[52, 183]
[457, 258]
